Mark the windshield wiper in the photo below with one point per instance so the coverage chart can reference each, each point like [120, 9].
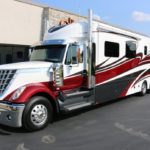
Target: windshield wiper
[52, 60]
[48, 60]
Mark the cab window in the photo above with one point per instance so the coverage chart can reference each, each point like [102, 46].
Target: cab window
[74, 54]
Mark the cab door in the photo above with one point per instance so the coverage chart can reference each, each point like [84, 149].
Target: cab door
[75, 92]
[74, 67]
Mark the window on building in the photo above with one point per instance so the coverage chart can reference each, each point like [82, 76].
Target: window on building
[145, 50]
[130, 49]
[20, 55]
[9, 58]
[0, 59]
[111, 49]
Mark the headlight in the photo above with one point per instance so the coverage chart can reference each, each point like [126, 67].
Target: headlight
[18, 92]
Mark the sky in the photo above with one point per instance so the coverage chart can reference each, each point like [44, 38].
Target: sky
[130, 14]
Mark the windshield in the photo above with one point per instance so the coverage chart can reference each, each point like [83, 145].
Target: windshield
[51, 53]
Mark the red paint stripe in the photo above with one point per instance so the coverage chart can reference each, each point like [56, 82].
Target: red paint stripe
[109, 74]
[73, 83]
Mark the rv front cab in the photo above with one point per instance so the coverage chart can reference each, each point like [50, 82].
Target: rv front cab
[61, 55]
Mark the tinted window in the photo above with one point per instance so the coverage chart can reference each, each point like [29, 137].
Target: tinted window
[145, 50]
[130, 49]
[111, 49]
[55, 28]
[8, 58]
[75, 54]
[72, 54]
[20, 55]
[52, 53]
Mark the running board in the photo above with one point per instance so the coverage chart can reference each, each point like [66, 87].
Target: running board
[77, 106]
[78, 94]
[75, 100]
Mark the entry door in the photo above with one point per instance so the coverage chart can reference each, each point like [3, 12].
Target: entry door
[73, 67]
[20, 53]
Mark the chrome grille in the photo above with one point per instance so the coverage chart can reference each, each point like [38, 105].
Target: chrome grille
[5, 78]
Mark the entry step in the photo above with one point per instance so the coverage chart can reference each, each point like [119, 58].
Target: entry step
[78, 94]
[77, 106]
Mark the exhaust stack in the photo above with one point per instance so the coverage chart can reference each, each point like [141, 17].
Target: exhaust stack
[91, 84]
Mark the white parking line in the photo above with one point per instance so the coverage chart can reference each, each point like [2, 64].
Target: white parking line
[131, 131]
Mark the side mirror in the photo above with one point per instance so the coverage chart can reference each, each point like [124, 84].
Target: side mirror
[78, 55]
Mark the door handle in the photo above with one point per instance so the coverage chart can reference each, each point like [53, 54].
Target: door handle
[70, 66]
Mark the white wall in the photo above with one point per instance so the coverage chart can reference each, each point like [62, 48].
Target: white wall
[20, 23]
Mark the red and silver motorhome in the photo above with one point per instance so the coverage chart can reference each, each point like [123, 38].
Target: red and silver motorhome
[76, 65]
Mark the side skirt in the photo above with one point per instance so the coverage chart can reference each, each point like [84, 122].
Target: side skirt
[115, 88]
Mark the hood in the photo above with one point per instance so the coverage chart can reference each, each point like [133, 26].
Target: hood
[26, 65]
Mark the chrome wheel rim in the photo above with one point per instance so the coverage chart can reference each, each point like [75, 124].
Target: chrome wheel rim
[144, 88]
[39, 115]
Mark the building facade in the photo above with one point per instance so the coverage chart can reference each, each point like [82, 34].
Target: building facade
[24, 23]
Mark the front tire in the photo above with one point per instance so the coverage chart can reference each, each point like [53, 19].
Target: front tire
[37, 114]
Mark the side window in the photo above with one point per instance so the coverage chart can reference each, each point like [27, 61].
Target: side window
[0, 59]
[8, 58]
[20, 55]
[74, 54]
[130, 49]
[111, 49]
[145, 50]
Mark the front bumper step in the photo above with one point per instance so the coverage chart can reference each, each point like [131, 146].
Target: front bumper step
[11, 114]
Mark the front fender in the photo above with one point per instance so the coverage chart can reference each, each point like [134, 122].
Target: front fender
[31, 90]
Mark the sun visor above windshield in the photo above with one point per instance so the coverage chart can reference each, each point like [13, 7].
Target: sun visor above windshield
[53, 42]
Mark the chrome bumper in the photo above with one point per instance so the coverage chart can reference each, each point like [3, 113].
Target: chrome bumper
[11, 114]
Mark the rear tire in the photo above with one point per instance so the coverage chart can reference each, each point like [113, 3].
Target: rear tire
[143, 89]
[37, 114]
[148, 90]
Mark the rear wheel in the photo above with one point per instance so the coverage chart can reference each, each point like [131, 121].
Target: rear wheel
[37, 114]
[143, 89]
[148, 89]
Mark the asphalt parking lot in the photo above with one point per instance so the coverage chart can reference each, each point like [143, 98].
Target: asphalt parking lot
[120, 125]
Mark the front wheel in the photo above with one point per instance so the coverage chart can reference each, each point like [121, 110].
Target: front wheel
[37, 114]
